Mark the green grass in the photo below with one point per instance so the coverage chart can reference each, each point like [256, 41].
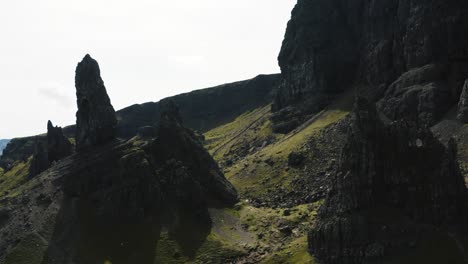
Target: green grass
[295, 253]
[30, 250]
[251, 127]
[253, 174]
[213, 250]
[11, 180]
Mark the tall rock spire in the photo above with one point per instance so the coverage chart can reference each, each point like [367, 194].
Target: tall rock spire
[95, 119]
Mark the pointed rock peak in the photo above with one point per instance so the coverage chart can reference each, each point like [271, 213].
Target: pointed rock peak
[96, 120]
[50, 126]
[87, 71]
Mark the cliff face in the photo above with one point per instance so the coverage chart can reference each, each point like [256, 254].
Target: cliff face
[330, 46]
[391, 177]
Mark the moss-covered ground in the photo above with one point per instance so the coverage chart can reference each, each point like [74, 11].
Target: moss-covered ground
[255, 159]
[12, 180]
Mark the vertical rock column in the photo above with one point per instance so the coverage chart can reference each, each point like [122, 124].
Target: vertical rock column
[58, 146]
[95, 119]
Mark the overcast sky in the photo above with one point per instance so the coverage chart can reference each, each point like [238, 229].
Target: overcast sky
[147, 50]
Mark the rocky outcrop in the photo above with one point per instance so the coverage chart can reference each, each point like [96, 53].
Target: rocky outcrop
[175, 142]
[58, 146]
[387, 172]
[95, 119]
[201, 110]
[330, 46]
[40, 159]
[118, 196]
[137, 187]
[462, 114]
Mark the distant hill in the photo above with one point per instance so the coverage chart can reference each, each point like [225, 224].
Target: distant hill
[201, 110]
[3, 144]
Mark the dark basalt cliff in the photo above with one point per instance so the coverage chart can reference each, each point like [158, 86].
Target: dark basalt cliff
[411, 54]
[395, 183]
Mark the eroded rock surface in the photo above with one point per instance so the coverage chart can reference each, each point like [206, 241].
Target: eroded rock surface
[391, 177]
[40, 159]
[58, 146]
[332, 45]
[95, 119]
[138, 187]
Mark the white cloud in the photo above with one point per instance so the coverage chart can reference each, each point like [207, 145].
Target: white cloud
[147, 50]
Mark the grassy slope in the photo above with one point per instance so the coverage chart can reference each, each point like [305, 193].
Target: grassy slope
[12, 180]
[255, 161]
[258, 167]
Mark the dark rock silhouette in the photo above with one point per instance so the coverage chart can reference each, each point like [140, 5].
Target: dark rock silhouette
[398, 169]
[40, 159]
[332, 45]
[95, 119]
[463, 105]
[175, 142]
[58, 146]
[201, 110]
[137, 187]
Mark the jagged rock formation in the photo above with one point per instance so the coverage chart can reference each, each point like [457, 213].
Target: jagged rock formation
[58, 146]
[95, 119]
[40, 159]
[463, 105]
[175, 142]
[332, 45]
[201, 110]
[138, 187]
[387, 172]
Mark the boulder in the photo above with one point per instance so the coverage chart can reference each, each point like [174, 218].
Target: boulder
[95, 120]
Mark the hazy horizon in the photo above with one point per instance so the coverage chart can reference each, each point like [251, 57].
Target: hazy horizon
[147, 50]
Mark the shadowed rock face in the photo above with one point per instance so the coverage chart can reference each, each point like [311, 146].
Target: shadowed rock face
[95, 119]
[175, 142]
[387, 172]
[40, 159]
[331, 45]
[129, 191]
[58, 146]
